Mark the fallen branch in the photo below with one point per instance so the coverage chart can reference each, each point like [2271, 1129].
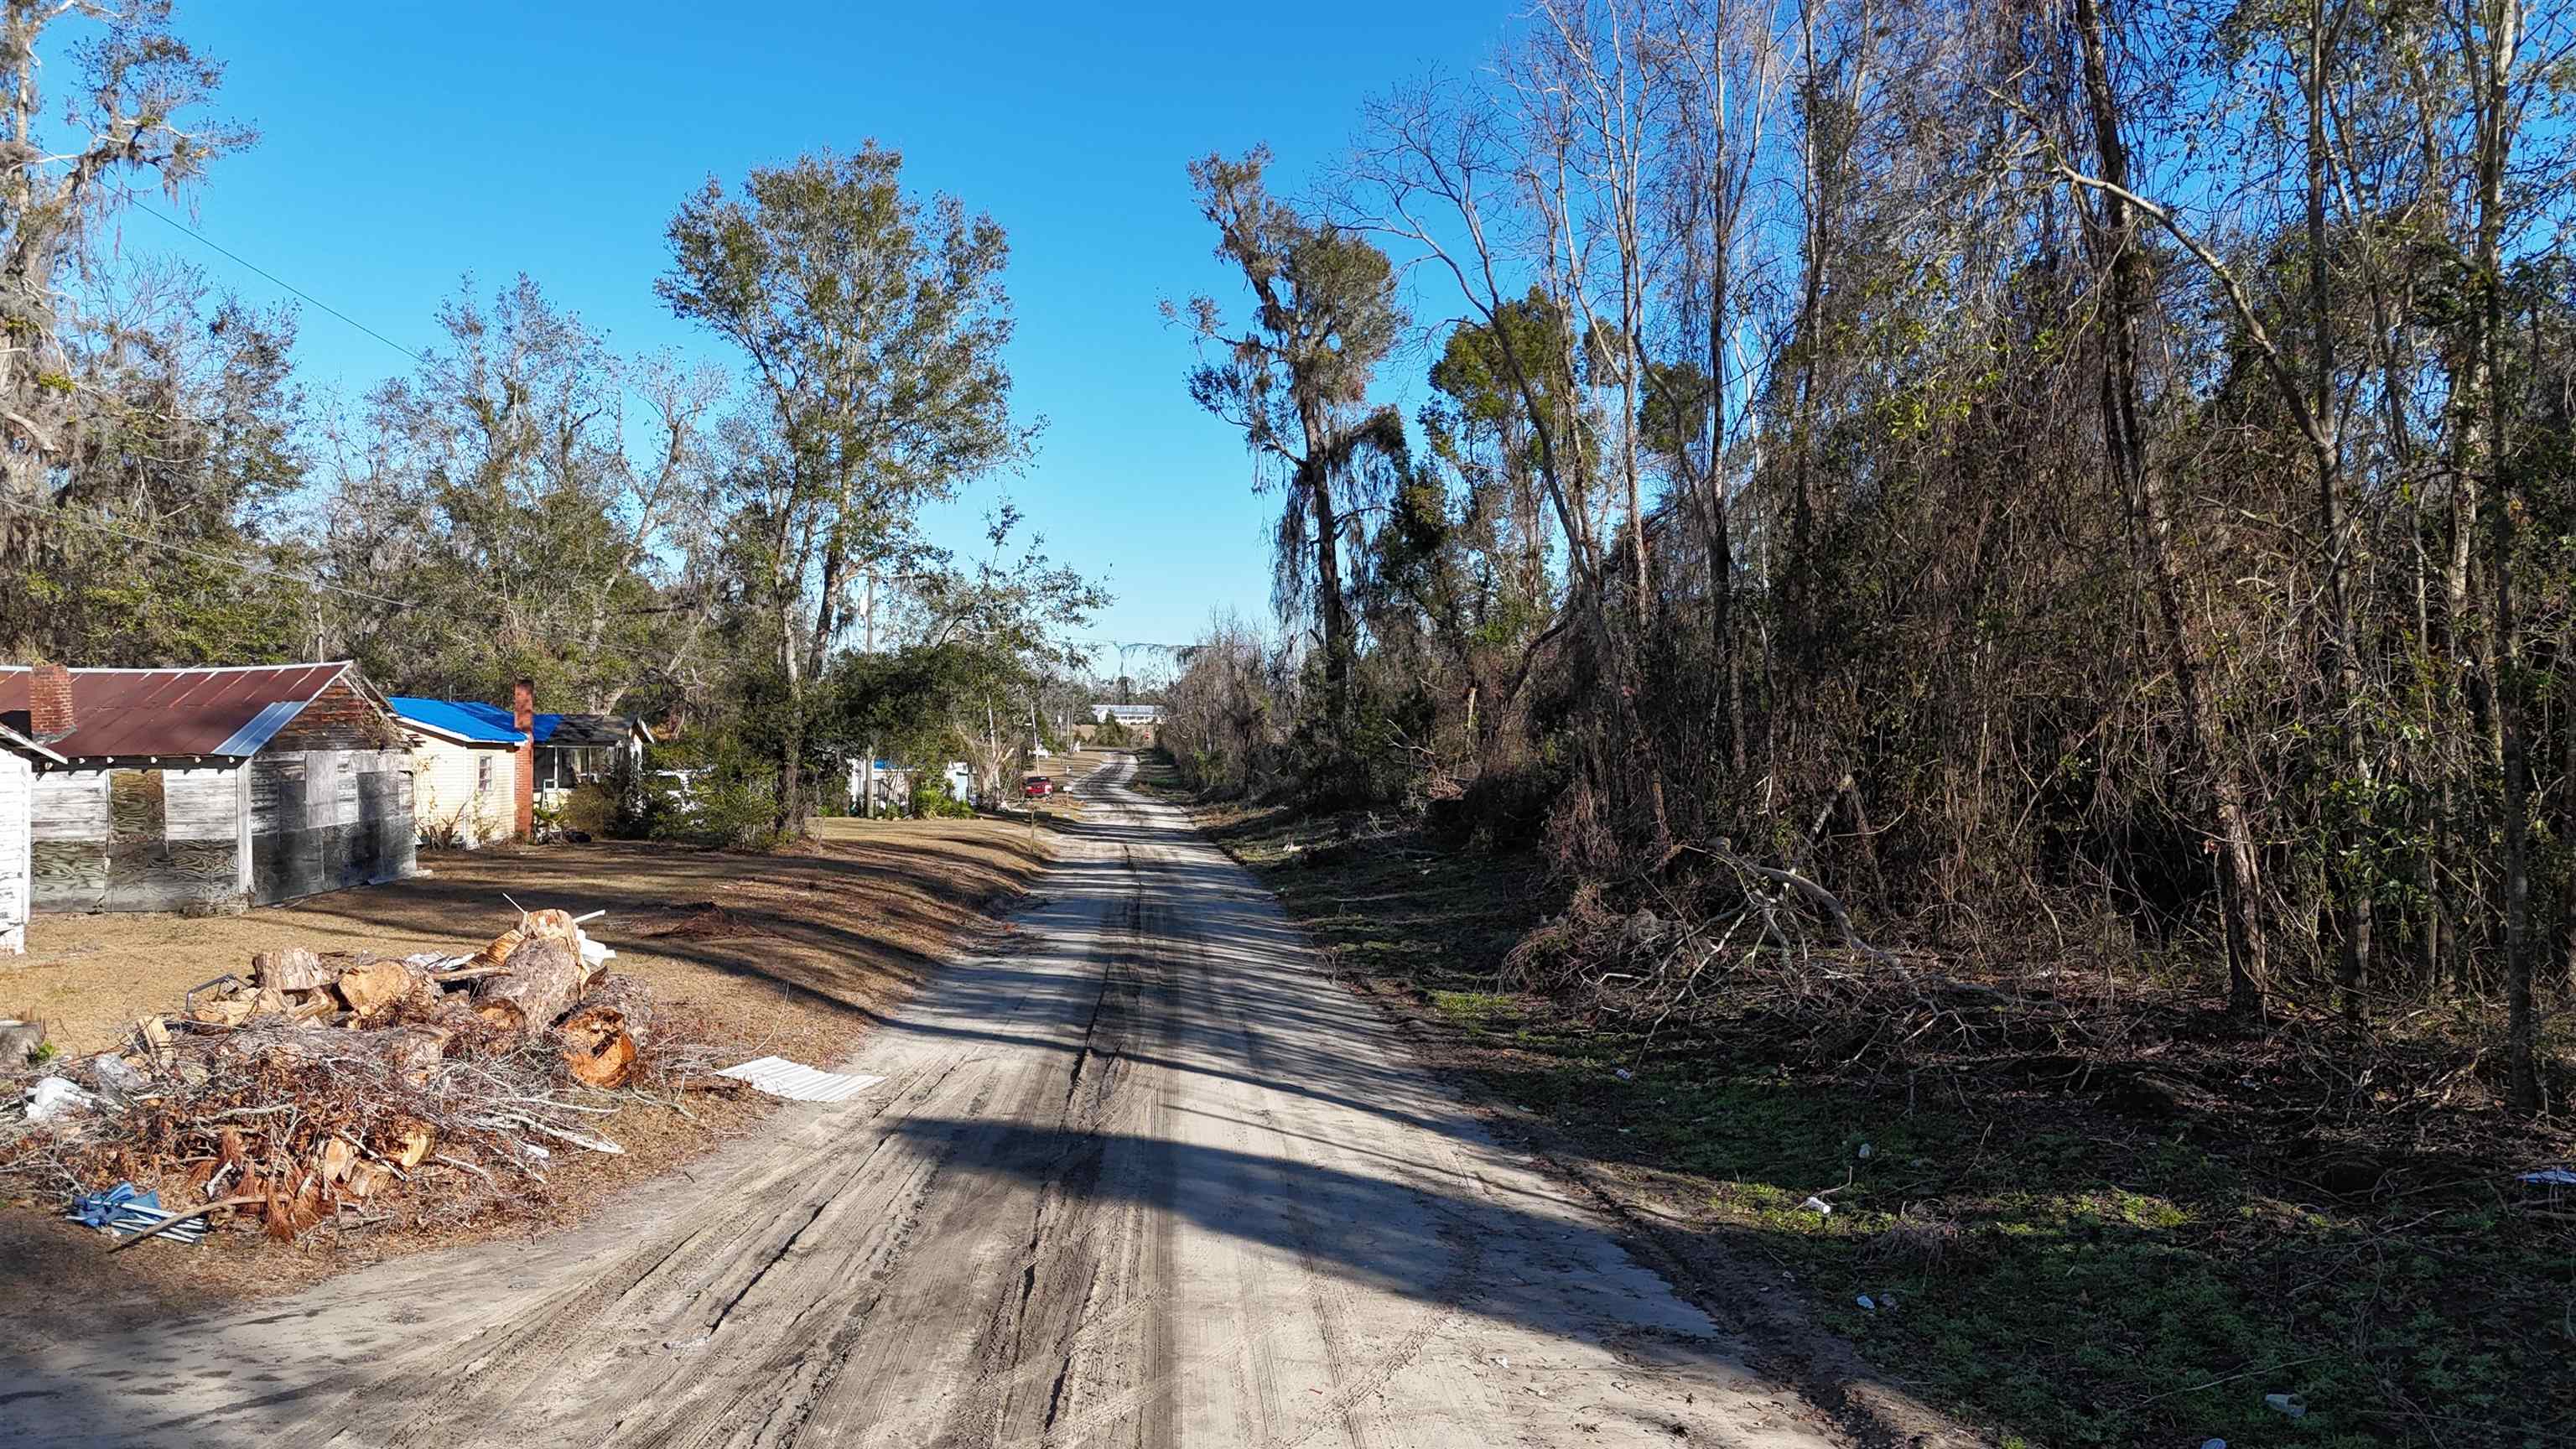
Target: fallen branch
[174, 1219]
[1814, 894]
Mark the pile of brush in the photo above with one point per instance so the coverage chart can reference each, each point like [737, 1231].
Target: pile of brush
[326, 1086]
[542, 977]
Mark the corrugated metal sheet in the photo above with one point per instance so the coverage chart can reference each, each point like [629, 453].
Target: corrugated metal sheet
[136, 712]
[463, 719]
[261, 728]
[797, 1082]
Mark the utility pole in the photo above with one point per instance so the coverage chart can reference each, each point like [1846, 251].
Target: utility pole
[868, 645]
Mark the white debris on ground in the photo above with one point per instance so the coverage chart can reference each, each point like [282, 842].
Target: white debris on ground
[797, 1082]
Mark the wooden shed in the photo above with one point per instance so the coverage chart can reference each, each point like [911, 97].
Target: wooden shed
[465, 769]
[209, 789]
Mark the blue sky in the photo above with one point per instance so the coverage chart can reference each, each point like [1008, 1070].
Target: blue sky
[406, 145]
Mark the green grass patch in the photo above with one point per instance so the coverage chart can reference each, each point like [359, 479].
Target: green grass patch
[1155, 775]
[2070, 1277]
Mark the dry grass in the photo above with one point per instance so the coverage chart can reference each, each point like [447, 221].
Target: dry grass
[793, 953]
[781, 952]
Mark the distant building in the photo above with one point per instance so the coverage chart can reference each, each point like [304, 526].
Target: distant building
[1127, 714]
[561, 750]
[572, 748]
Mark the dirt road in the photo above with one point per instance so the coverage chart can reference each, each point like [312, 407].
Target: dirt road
[1150, 1179]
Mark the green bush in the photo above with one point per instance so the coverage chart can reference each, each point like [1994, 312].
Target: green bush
[592, 807]
[735, 810]
[932, 799]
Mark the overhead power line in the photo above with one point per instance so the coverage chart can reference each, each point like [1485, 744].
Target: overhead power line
[246, 263]
[231, 560]
[218, 247]
[237, 258]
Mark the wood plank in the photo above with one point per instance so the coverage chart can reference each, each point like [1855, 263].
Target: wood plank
[70, 805]
[344, 790]
[134, 808]
[202, 804]
[206, 872]
[17, 789]
[377, 806]
[322, 770]
[243, 877]
[161, 875]
[288, 864]
[277, 794]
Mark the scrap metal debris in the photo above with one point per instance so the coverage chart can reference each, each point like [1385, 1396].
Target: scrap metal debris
[797, 1082]
[122, 1210]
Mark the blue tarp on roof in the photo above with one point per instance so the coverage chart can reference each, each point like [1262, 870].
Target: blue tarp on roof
[481, 723]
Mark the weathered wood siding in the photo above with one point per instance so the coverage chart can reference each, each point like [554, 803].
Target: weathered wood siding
[325, 819]
[17, 785]
[67, 833]
[137, 840]
[339, 718]
[462, 794]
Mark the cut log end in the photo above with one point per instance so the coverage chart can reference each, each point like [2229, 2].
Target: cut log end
[605, 1063]
[601, 1035]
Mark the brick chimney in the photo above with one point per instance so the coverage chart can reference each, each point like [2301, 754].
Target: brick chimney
[49, 702]
[523, 718]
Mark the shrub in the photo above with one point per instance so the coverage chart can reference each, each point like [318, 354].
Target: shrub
[734, 810]
[592, 808]
[932, 798]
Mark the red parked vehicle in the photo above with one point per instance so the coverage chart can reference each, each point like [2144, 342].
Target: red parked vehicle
[1036, 785]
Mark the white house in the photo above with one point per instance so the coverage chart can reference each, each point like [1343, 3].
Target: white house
[464, 770]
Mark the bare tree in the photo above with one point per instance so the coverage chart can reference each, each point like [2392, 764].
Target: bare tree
[139, 82]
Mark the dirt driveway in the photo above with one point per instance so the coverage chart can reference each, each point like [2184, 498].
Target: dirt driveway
[1149, 1177]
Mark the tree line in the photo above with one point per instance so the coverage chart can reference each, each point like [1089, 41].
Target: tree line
[2063, 473]
[730, 541]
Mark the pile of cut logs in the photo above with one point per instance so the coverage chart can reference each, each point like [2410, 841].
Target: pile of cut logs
[542, 977]
[357, 1087]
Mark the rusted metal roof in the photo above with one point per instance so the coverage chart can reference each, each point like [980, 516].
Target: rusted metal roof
[229, 711]
[12, 740]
